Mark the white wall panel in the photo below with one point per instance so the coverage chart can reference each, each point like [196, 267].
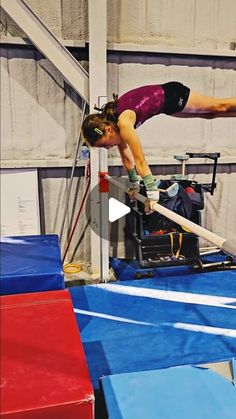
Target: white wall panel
[50, 110]
[206, 24]
[226, 28]
[177, 22]
[54, 183]
[6, 120]
[49, 12]
[23, 116]
[183, 23]
[74, 19]
[73, 114]
[214, 23]
[41, 120]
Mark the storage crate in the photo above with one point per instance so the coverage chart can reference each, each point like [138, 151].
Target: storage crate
[171, 244]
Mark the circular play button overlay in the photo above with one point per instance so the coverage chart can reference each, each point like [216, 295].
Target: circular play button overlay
[115, 209]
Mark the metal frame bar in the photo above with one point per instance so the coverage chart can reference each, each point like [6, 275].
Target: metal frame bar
[212, 156]
[134, 48]
[233, 370]
[49, 45]
[76, 156]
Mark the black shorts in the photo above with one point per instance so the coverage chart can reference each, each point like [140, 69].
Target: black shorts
[176, 97]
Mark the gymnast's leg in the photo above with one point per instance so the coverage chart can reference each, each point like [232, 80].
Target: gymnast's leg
[201, 106]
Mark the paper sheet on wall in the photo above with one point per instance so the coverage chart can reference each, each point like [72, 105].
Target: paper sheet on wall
[19, 202]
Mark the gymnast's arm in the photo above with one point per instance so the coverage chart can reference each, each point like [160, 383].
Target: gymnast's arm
[125, 124]
[126, 156]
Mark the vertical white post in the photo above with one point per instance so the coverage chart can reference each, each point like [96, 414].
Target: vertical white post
[104, 213]
[98, 87]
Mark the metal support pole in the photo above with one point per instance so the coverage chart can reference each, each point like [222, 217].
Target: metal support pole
[233, 370]
[77, 153]
[104, 220]
[98, 92]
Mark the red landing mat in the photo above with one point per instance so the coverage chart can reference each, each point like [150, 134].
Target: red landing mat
[44, 372]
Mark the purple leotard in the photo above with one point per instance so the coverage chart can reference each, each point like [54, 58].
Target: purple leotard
[145, 101]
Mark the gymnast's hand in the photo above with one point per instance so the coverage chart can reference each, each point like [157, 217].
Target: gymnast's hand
[133, 189]
[152, 198]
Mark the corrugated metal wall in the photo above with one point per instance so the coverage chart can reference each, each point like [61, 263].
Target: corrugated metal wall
[41, 114]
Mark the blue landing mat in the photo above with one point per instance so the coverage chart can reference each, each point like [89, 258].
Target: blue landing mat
[179, 393]
[176, 318]
[125, 271]
[30, 264]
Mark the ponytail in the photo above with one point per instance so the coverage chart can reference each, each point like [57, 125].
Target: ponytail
[109, 110]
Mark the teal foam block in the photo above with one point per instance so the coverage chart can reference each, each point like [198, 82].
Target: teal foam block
[179, 393]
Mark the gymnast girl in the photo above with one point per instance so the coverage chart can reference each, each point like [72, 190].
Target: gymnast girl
[116, 122]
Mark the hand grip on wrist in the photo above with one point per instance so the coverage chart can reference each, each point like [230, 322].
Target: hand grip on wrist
[153, 195]
[134, 186]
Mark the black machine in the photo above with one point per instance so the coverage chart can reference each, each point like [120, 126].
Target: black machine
[158, 241]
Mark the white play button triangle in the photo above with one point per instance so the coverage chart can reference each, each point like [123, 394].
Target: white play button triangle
[117, 209]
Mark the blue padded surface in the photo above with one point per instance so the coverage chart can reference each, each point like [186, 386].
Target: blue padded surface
[126, 270]
[180, 393]
[176, 318]
[30, 263]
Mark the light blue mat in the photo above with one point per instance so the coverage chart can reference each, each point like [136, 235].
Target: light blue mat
[179, 393]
